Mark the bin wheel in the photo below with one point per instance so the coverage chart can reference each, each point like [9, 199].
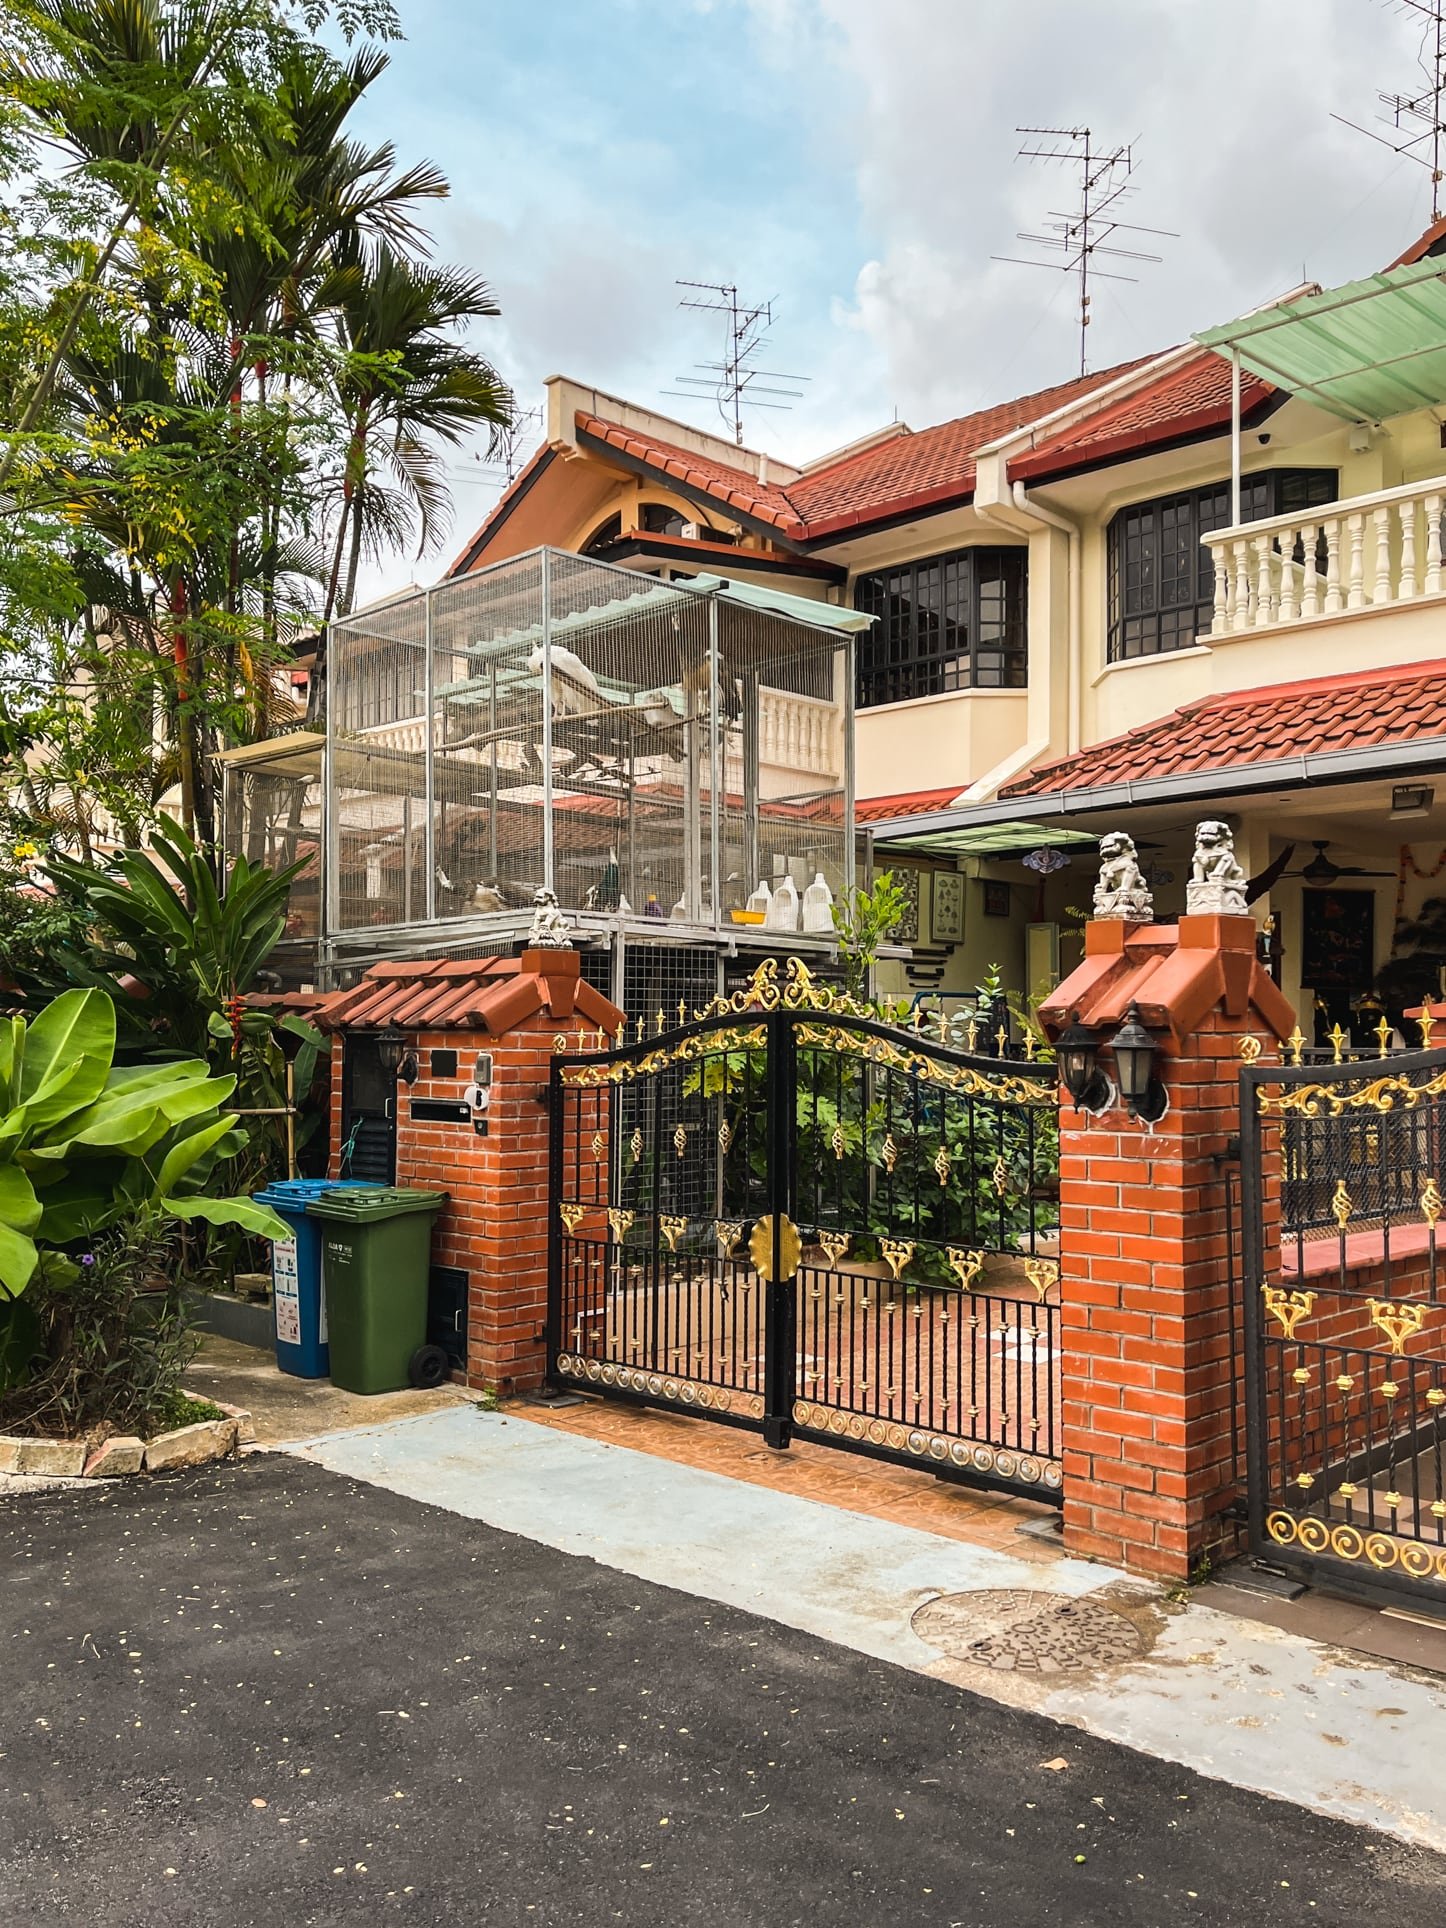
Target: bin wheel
[428, 1366]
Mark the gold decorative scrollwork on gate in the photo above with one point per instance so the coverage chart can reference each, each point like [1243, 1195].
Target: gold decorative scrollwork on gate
[897, 1253]
[620, 1221]
[725, 1137]
[599, 1144]
[571, 1216]
[1431, 1202]
[889, 1153]
[836, 1244]
[635, 1144]
[1000, 1175]
[1397, 1320]
[1288, 1308]
[761, 1248]
[672, 1228]
[727, 1231]
[1250, 1048]
[943, 1165]
[1042, 1274]
[966, 1266]
[680, 1139]
[1341, 1206]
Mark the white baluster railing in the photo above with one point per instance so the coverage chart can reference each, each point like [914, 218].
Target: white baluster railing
[1369, 553]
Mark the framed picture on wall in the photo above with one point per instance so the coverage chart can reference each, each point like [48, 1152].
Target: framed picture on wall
[910, 882]
[996, 898]
[947, 924]
[1337, 939]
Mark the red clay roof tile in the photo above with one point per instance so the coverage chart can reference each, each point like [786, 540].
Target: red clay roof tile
[1259, 726]
[1189, 399]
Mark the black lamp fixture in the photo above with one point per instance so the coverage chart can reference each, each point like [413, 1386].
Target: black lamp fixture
[1076, 1052]
[398, 1060]
[1144, 1096]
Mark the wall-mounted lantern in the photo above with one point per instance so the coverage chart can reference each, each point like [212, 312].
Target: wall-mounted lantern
[1143, 1095]
[1076, 1053]
[398, 1059]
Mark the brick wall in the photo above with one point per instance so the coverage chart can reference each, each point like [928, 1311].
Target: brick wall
[494, 1227]
[1148, 1386]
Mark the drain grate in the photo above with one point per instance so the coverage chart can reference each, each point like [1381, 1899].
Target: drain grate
[1021, 1630]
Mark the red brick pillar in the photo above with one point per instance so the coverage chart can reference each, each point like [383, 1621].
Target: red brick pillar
[495, 1223]
[1147, 1368]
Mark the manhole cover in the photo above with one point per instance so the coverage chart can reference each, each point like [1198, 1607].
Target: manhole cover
[1019, 1630]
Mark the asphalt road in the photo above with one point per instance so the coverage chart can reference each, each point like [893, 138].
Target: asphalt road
[265, 1694]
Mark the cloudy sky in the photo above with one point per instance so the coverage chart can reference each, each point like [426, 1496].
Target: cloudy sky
[856, 159]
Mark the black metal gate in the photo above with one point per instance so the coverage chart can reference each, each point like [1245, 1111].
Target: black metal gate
[1345, 1335]
[786, 1215]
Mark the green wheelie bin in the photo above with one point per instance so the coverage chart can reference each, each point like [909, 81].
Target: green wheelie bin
[376, 1243]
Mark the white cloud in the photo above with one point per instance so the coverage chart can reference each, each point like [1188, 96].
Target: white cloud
[1229, 106]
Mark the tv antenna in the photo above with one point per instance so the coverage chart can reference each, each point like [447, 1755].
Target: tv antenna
[512, 446]
[736, 382]
[1418, 116]
[1081, 236]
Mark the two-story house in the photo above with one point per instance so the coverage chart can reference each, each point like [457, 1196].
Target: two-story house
[1205, 582]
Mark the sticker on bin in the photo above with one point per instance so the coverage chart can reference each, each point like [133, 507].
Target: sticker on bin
[286, 1291]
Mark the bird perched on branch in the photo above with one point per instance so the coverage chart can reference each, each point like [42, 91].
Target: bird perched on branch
[571, 684]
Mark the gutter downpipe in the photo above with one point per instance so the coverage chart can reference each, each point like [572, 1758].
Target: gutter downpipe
[1028, 505]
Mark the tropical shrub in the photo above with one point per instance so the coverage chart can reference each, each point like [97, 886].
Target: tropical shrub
[176, 954]
[105, 1352]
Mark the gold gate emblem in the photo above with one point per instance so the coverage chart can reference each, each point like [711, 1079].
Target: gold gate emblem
[790, 1248]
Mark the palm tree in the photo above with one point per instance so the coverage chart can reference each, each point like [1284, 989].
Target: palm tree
[409, 388]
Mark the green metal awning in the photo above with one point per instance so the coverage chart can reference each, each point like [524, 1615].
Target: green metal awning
[942, 834]
[1365, 351]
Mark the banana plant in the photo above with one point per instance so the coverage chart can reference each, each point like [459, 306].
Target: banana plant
[86, 1143]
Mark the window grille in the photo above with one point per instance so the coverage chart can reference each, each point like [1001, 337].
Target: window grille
[1162, 578]
[949, 622]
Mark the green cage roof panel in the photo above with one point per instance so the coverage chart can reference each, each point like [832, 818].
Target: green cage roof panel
[1365, 351]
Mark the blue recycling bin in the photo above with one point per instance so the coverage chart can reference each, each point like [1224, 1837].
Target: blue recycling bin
[298, 1303]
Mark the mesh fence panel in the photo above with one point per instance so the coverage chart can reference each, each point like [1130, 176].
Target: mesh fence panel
[377, 697]
[579, 737]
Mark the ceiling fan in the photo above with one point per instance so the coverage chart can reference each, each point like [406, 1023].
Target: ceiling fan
[1321, 870]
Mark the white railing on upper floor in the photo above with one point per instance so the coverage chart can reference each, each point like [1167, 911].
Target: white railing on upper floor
[795, 733]
[1372, 552]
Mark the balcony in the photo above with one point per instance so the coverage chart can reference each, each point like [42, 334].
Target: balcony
[1374, 552]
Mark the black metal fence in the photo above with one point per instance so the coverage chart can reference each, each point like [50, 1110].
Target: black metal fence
[1345, 1327]
[788, 1214]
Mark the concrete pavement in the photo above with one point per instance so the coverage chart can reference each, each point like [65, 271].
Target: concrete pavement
[1237, 1700]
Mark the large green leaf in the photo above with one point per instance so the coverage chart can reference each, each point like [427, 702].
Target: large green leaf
[17, 1261]
[245, 1212]
[181, 1157]
[19, 1207]
[78, 1025]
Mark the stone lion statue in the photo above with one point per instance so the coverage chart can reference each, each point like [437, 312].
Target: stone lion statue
[550, 929]
[1121, 890]
[1217, 883]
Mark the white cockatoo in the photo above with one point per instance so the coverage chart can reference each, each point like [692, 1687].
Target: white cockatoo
[574, 688]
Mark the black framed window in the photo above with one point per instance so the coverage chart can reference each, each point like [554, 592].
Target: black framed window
[950, 622]
[603, 536]
[1162, 578]
[658, 519]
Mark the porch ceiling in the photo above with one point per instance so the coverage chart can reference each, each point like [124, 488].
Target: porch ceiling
[1365, 351]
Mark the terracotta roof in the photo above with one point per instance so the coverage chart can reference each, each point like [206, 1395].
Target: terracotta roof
[490, 993]
[908, 803]
[901, 473]
[1259, 726]
[723, 482]
[929, 466]
[1190, 399]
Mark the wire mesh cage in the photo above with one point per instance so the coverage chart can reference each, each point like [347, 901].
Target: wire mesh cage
[640, 748]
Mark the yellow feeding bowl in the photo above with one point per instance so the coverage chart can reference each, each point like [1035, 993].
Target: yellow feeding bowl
[746, 916]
